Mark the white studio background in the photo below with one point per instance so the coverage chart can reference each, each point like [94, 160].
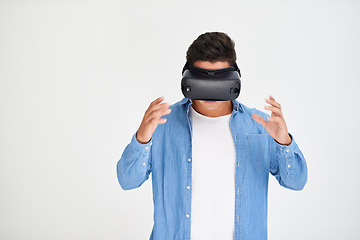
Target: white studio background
[77, 76]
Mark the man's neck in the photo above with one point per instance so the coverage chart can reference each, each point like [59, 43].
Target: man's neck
[217, 110]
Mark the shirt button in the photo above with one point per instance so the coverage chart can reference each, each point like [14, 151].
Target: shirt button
[187, 215]
[188, 187]
[289, 166]
[189, 160]
[143, 164]
[287, 150]
[150, 143]
[147, 148]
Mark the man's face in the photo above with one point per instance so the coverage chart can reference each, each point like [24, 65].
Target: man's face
[210, 105]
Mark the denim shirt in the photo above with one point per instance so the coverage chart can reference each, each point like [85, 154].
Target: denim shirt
[168, 156]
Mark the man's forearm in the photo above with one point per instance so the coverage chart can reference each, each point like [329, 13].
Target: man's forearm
[134, 166]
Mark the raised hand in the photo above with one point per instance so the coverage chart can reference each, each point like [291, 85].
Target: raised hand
[152, 118]
[275, 126]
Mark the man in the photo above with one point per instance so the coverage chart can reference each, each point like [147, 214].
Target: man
[210, 160]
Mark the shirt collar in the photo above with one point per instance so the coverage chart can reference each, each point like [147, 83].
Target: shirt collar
[236, 105]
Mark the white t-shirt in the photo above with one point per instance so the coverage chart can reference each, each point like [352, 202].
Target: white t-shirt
[213, 178]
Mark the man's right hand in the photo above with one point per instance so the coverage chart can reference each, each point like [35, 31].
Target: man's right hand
[152, 118]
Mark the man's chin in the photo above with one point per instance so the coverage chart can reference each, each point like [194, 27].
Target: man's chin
[210, 105]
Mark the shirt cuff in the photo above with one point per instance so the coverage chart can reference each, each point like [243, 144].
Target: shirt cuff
[140, 147]
[285, 153]
[284, 145]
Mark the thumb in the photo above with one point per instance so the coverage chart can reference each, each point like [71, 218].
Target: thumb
[259, 119]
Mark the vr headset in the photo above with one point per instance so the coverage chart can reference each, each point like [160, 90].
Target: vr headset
[211, 84]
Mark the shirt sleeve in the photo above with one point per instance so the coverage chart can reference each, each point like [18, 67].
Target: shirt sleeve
[134, 166]
[288, 165]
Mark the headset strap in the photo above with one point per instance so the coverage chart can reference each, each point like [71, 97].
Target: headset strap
[212, 71]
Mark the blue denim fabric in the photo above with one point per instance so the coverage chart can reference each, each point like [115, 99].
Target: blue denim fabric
[168, 156]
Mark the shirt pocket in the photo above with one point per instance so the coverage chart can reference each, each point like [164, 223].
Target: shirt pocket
[258, 151]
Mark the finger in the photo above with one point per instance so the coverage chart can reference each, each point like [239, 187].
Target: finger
[272, 102]
[274, 119]
[157, 107]
[156, 121]
[158, 114]
[156, 101]
[162, 120]
[274, 110]
[259, 119]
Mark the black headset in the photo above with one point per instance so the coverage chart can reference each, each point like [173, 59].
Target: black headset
[211, 84]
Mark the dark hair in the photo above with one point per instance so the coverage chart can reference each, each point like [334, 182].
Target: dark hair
[212, 47]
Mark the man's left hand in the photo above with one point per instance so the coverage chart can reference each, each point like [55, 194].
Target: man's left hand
[275, 126]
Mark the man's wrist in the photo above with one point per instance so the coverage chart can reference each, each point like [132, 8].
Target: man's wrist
[288, 142]
[142, 141]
